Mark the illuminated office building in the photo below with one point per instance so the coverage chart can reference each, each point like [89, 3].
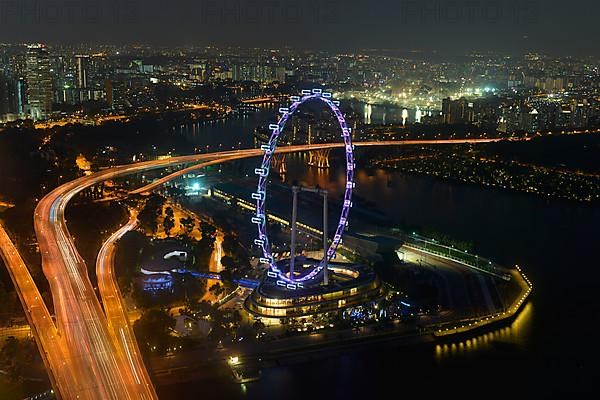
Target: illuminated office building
[39, 82]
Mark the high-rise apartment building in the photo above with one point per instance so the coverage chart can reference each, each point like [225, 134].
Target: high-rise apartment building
[82, 63]
[39, 82]
[8, 96]
[457, 111]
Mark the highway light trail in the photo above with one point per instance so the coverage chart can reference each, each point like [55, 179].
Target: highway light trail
[114, 308]
[88, 357]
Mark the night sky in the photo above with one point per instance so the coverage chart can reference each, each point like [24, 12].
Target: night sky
[512, 26]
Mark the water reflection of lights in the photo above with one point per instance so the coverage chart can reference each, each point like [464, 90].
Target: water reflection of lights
[514, 333]
[404, 116]
[368, 113]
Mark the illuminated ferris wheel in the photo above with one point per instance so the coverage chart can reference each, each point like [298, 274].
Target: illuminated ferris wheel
[260, 195]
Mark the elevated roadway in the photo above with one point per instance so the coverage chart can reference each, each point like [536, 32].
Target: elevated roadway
[88, 355]
[116, 314]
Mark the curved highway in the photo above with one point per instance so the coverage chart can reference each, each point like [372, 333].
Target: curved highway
[40, 320]
[116, 313]
[93, 361]
[236, 155]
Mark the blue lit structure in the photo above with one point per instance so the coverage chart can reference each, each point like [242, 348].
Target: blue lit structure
[261, 193]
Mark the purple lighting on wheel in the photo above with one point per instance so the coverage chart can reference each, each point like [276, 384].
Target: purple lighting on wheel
[263, 176]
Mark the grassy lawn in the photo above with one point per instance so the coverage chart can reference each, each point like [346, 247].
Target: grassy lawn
[16, 391]
[10, 391]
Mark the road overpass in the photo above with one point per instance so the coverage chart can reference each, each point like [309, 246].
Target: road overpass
[82, 351]
[116, 314]
[240, 154]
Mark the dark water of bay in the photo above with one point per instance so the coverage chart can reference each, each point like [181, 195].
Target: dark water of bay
[550, 351]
